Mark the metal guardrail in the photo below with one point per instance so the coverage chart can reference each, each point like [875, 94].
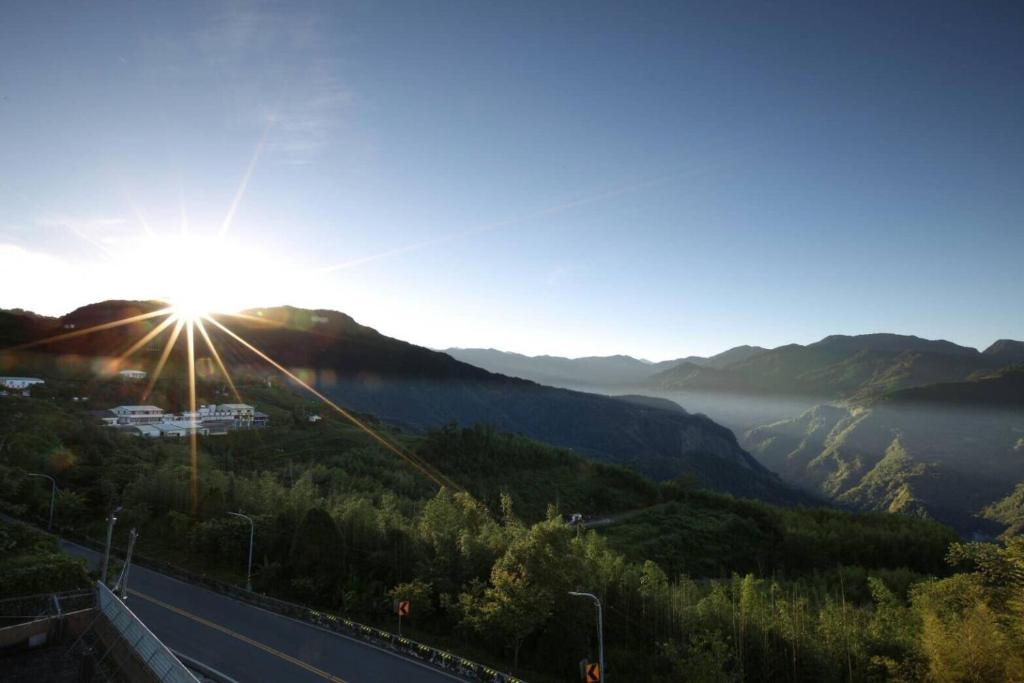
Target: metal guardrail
[404, 647]
[154, 655]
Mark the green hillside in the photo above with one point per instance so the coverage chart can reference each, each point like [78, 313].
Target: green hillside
[344, 525]
[402, 384]
[947, 451]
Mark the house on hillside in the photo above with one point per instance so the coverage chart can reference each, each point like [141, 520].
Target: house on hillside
[134, 415]
[240, 414]
[18, 384]
[132, 375]
[177, 429]
[208, 420]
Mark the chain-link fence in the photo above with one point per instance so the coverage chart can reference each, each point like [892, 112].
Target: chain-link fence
[25, 608]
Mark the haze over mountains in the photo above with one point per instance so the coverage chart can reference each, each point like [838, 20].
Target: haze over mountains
[877, 421]
[593, 371]
[838, 366]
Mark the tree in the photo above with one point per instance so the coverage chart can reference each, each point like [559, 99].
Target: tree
[316, 554]
[527, 585]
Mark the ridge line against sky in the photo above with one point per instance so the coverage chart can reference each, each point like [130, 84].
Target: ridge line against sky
[677, 356]
[817, 169]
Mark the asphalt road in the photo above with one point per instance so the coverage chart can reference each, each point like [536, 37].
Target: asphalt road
[251, 644]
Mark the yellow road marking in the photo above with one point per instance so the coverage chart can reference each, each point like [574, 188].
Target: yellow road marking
[239, 636]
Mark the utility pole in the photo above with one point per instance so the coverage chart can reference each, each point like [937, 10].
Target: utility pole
[53, 495]
[122, 579]
[252, 534]
[600, 627]
[111, 520]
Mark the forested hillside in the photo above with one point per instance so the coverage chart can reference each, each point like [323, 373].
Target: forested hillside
[695, 585]
[948, 451]
[406, 385]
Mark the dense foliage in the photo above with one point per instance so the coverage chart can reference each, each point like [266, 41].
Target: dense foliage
[695, 586]
[31, 564]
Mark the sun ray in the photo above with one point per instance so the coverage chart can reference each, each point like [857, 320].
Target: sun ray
[244, 185]
[216, 357]
[137, 212]
[497, 225]
[128, 353]
[193, 443]
[91, 330]
[423, 467]
[163, 359]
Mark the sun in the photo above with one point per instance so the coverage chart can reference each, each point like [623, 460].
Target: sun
[190, 308]
[203, 273]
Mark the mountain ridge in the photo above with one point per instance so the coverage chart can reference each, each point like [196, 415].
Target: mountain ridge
[418, 389]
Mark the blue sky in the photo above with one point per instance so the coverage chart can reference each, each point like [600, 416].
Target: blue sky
[657, 179]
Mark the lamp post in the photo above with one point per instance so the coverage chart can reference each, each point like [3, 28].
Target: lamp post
[122, 581]
[111, 520]
[252, 534]
[600, 627]
[53, 495]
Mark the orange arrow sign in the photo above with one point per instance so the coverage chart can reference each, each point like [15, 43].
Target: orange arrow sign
[593, 673]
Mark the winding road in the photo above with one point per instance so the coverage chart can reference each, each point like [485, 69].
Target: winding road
[248, 643]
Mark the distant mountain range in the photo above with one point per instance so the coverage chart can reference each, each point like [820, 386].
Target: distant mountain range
[417, 388]
[876, 421]
[610, 372]
[836, 367]
[843, 367]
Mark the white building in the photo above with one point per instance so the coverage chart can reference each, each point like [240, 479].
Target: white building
[132, 374]
[19, 382]
[208, 420]
[239, 413]
[134, 415]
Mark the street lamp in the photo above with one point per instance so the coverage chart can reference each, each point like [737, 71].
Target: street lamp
[252, 534]
[110, 535]
[600, 627]
[53, 495]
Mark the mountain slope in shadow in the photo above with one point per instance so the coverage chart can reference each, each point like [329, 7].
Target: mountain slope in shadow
[418, 388]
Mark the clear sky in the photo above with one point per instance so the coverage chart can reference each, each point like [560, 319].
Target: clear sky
[657, 179]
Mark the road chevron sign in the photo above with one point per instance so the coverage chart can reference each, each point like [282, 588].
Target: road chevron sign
[403, 608]
[593, 673]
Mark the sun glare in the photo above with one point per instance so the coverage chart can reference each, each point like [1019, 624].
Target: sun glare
[199, 274]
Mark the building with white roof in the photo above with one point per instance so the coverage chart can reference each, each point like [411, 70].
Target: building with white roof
[208, 420]
[132, 374]
[20, 382]
[239, 413]
[134, 415]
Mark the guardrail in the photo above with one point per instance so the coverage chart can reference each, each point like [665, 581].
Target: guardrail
[146, 647]
[406, 647]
